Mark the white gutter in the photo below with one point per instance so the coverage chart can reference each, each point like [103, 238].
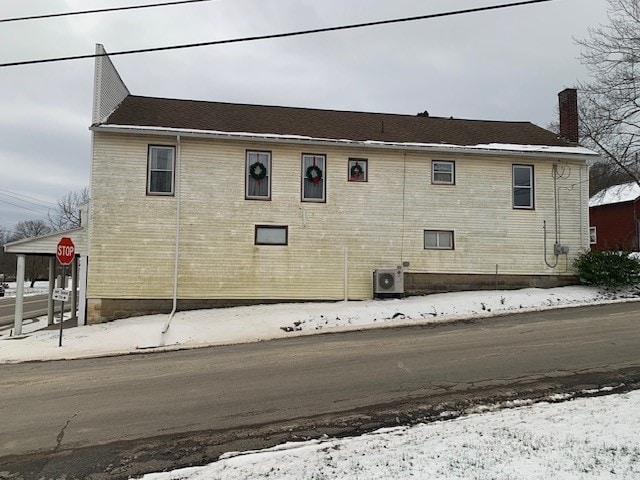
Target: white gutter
[487, 149]
[177, 250]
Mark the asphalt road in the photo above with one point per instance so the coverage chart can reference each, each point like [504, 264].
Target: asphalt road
[158, 409]
[34, 306]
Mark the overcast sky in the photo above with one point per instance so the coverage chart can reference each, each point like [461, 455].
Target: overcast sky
[497, 65]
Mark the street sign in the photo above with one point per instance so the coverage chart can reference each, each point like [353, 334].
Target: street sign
[66, 251]
[60, 294]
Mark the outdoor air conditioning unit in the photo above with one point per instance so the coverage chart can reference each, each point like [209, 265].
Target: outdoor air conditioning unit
[388, 282]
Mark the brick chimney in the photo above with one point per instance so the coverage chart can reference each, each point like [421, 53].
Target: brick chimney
[568, 103]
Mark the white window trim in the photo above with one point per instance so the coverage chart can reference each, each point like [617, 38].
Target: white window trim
[532, 204]
[247, 196]
[322, 156]
[173, 170]
[453, 172]
[593, 238]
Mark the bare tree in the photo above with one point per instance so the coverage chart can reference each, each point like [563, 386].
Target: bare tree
[7, 261]
[36, 266]
[67, 214]
[605, 174]
[30, 229]
[609, 104]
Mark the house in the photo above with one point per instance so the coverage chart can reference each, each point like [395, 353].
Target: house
[200, 204]
[613, 218]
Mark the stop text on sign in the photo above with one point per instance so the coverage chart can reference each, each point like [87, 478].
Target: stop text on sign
[66, 251]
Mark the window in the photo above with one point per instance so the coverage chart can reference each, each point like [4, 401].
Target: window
[358, 169]
[313, 177]
[593, 238]
[443, 172]
[271, 235]
[438, 240]
[523, 186]
[258, 175]
[160, 168]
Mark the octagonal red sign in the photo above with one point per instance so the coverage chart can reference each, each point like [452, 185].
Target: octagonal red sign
[66, 251]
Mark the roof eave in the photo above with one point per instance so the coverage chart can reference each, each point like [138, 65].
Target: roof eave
[15, 247]
[574, 153]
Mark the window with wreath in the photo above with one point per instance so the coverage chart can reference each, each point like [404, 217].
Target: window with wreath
[443, 172]
[160, 169]
[313, 177]
[358, 170]
[438, 240]
[258, 175]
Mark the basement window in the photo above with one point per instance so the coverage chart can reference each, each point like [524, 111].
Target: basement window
[438, 240]
[272, 235]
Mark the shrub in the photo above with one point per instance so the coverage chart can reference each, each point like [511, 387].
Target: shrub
[607, 269]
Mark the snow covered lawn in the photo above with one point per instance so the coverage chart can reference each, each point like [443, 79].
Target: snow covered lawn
[221, 326]
[587, 438]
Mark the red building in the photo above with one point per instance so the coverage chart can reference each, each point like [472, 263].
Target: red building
[613, 218]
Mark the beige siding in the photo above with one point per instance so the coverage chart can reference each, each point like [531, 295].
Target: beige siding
[381, 222]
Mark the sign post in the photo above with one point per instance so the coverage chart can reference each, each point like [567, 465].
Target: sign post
[65, 253]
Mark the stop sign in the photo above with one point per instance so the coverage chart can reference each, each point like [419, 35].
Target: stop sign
[66, 251]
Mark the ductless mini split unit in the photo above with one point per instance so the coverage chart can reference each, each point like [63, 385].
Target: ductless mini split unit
[388, 282]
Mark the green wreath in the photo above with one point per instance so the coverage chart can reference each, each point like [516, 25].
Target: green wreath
[258, 171]
[314, 174]
[356, 170]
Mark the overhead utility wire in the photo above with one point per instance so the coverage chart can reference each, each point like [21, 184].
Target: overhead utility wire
[23, 207]
[279, 35]
[21, 200]
[101, 10]
[16, 195]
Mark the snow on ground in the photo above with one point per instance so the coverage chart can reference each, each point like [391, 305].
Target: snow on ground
[587, 438]
[264, 322]
[39, 288]
[592, 438]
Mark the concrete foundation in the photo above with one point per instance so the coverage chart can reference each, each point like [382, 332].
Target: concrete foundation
[100, 310]
[426, 283]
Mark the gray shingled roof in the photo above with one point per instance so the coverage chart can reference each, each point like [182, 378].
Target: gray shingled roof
[327, 124]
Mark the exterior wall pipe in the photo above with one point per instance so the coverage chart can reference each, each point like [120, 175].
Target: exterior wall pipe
[544, 229]
[82, 301]
[177, 251]
[74, 288]
[346, 273]
[52, 285]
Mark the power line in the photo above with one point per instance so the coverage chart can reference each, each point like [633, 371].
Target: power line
[280, 35]
[16, 195]
[23, 207]
[101, 10]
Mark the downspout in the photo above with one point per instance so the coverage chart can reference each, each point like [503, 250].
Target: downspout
[177, 250]
[583, 237]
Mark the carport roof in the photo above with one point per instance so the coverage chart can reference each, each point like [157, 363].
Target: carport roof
[46, 245]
